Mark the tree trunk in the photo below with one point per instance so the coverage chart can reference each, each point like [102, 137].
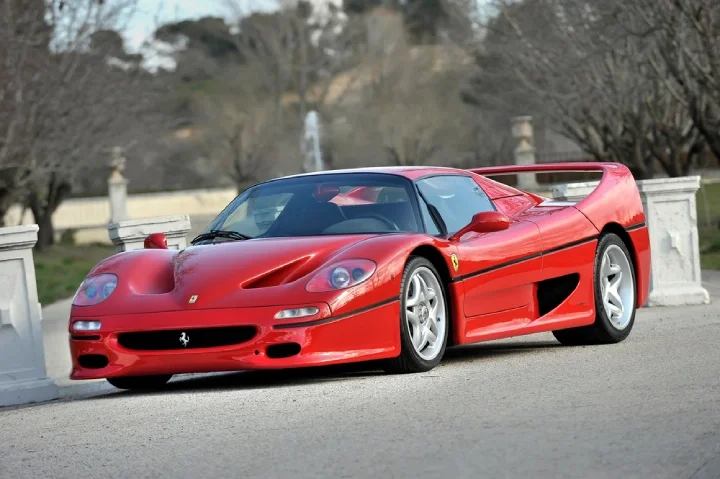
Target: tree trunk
[640, 173]
[46, 234]
[57, 190]
[6, 200]
[712, 137]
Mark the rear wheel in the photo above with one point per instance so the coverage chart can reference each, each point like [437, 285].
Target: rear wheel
[615, 299]
[423, 319]
[140, 382]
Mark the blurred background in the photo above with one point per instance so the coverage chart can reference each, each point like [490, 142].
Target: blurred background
[198, 99]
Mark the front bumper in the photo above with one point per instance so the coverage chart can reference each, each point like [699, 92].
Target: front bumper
[372, 333]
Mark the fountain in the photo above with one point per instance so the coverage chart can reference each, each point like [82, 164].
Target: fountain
[311, 143]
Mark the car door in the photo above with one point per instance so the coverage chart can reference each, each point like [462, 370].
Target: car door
[498, 270]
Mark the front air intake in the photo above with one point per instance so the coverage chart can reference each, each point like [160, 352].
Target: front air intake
[285, 350]
[186, 338]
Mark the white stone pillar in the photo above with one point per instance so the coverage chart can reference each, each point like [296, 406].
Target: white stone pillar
[117, 188]
[522, 130]
[23, 377]
[671, 213]
[117, 194]
[130, 235]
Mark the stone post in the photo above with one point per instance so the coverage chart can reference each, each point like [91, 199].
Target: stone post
[671, 213]
[130, 235]
[23, 377]
[522, 130]
[117, 187]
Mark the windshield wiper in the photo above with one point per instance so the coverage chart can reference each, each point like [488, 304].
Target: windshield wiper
[212, 234]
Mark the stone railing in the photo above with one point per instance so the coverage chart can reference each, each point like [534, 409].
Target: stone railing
[131, 234]
[23, 377]
[89, 217]
[671, 213]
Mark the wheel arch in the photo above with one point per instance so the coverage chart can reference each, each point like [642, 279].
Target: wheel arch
[617, 229]
[437, 259]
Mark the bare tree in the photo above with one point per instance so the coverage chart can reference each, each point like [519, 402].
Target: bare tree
[99, 108]
[596, 83]
[304, 57]
[687, 35]
[411, 107]
[24, 43]
[241, 124]
[73, 100]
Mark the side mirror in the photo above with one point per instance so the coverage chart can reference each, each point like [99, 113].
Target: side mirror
[156, 241]
[485, 222]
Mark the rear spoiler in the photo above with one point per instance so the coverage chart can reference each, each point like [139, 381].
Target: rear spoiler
[608, 169]
[617, 186]
[545, 167]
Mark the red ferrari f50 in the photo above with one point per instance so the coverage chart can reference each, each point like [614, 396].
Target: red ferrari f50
[392, 264]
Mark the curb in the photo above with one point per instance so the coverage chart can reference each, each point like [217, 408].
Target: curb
[69, 389]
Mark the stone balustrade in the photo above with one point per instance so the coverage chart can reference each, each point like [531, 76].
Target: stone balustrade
[573, 191]
[23, 376]
[671, 213]
[130, 235]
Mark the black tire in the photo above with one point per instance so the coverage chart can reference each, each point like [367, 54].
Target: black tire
[144, 383]
[409, 361]
[602, 331]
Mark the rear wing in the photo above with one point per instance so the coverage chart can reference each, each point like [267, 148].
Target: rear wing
[615, 199]
[544, 167]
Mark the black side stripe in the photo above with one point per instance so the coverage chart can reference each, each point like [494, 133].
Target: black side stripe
[635, 227]
[537, 255]
[337, 318]
[459, 278]
[571, 244]
[496, 267]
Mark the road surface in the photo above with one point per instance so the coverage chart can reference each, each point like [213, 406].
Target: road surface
[648, 407]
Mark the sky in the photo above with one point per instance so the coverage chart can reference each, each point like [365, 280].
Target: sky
[151, 13]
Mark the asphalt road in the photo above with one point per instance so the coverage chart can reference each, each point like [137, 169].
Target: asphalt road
[648, 407]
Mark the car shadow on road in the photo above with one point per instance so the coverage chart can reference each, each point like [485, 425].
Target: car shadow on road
[265, 379]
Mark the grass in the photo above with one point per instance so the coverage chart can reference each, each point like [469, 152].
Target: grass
[60, 269]
[708, 218]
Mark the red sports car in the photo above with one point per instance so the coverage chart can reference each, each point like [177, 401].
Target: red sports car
[392, 264]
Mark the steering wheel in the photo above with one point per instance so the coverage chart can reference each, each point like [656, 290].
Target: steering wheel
[390, 223]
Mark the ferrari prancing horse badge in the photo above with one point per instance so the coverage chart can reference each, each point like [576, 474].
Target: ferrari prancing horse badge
[454, 260]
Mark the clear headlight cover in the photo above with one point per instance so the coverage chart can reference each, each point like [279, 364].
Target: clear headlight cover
[95, 290]
[342, 275]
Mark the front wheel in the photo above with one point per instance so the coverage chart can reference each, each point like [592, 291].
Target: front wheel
[140, 382]
[423, 319]
[615, 298]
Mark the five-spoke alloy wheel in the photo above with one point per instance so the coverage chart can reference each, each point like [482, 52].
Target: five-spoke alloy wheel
[423, 318]
[615, 298]
[617, 287]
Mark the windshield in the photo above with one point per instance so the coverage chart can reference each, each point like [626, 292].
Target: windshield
[327, 204]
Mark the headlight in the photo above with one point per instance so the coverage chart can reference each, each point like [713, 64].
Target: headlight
[95, 289]
[342, 275]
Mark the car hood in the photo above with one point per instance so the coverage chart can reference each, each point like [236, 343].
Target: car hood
[254, 264]
[258, 272]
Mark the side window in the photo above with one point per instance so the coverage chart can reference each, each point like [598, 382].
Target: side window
[457, 198]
